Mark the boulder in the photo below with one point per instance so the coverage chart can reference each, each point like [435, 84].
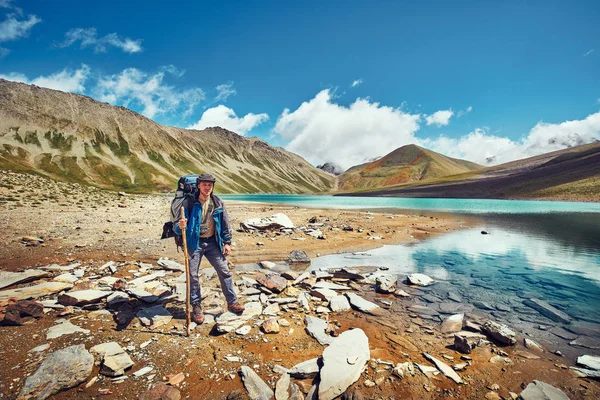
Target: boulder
[547, 310]
[538, 390]
[316, 328]
[465, 344]
[386, 284]
[363, 305]
[453, 323]
[276, 221]
[35, 291]
[12, 278]
[419, 280]
[63, 369]
[276, 283]
[82, 297]
[343, 363]
[306, 369]
[256, 387]
[161, 391]
[298, 256]
[154, 316]
[500, 333]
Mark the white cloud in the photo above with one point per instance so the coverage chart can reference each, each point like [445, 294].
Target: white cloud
[66, 80]
[12, 28]
[464, 112]
[226, 118]
[4, 52]
[487, 149]
[225, 90]
[357, 82]
[135, 87]
[321, 131]
[440, 118]
[89, 37]
[587, 53]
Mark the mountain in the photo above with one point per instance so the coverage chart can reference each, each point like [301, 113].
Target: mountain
[570, 174]
[332, 168]
[74, 138]
[406, 164]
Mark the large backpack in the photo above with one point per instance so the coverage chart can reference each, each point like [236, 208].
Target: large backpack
[187, 187]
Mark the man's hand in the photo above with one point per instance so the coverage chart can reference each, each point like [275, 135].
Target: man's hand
[226, 250]
[182, 223]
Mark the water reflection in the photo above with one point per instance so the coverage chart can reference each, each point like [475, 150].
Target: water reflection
[520, 258]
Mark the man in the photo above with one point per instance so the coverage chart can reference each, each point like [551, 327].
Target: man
[208, 235]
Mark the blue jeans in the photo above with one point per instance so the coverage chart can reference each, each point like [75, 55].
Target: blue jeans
[209, 248]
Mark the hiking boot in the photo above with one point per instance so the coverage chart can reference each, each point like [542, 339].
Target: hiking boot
[197, 314]
[236, 308]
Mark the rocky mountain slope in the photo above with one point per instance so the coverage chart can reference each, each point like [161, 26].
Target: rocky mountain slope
[409, 163]
[570, 174]
[74, 138]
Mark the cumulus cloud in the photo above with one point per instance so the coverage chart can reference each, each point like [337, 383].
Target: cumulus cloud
[226, 118]
[12, 28]
[357, 82]
[439, 118]
[482, 147]
[67, 80]
[321, 130]
[88, 37]
[224, 91]
[135, 87]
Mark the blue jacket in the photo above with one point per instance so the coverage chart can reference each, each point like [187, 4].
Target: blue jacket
[193, 213]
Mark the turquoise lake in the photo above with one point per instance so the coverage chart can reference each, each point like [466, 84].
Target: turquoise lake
[533, 249]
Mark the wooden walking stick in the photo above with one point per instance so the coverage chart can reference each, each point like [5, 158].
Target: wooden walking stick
[187, 278]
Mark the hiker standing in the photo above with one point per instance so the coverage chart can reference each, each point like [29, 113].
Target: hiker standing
[208, 235]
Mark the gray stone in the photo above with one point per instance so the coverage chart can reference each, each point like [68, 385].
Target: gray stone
[538, 390]
[465, 344]
[306, 369]
[343, 363]
[339, 303]
[483, 306]
[117, 298]
[453, 323]
[587, 342]
[323, 294]
[228, 322]
[12, 278]
[154, 316]
[444, 368]
[282, 388]
[142, 280]
[563, 334]
[454, 297]
[586, 373]
[298, 256]
[275, 221]
[316, 328]
[276, 283]
[585, 328]
[547, 310]
[40, 348]
[500, 333]
[267, 264]
[386, 284]
[532, 345]
[270, 326]
[82, 297]
[423, 310]
[420, 280]
[35, 291]
[362, 304]
[106, 349]
[272, 310]
[256, 387]
[142, 295]
[66, 277]
[330, 286]
[170, 265]
[116, 364]
[589, 362]
[64, 328]
[63, 369]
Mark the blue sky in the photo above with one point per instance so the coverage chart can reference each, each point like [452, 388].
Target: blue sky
[482, 80]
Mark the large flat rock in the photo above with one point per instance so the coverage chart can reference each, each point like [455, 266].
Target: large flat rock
[12, 278]
[547, 310]
[256, 387]
[590, 362]
[154, 316]
[35, 291]
[63, 369]
[499, 332]
[339, 303]
[363, 305]
[316, 328]
[306, 369]
[444, 368]
[64, 328]
[343, 362]
[276, 221]
[170, 265]
[538, 390]
[82, 297]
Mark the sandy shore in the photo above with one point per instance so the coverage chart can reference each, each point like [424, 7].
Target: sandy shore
[95, 227]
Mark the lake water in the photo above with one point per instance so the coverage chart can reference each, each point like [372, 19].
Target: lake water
[544, 250]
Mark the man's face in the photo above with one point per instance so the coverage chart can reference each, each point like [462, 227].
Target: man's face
[205, 188]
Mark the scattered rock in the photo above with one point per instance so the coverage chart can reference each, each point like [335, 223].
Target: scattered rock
[267, 264]
[256, 387]
[402, 370]
[464, 344]
[339, 303]
[538, 390]
[82, 297]
[547, 310]
[444, 368]
[275, 222]
[419, 280]
[34, 292]
[154, 316]
[500, 333]
[276, 283]
[308, 369]
[453, 323]
[170, 265]
[386, 284]
[298, 256]
[530, 344]
[362, 304]
[590, 362]
[316, 328]
[270, 326]
[64, 328]
[282, 388]
[12, 278]
[343, 362]
[63, 369]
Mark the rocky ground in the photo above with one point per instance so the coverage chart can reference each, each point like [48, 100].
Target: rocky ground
[106, 316]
